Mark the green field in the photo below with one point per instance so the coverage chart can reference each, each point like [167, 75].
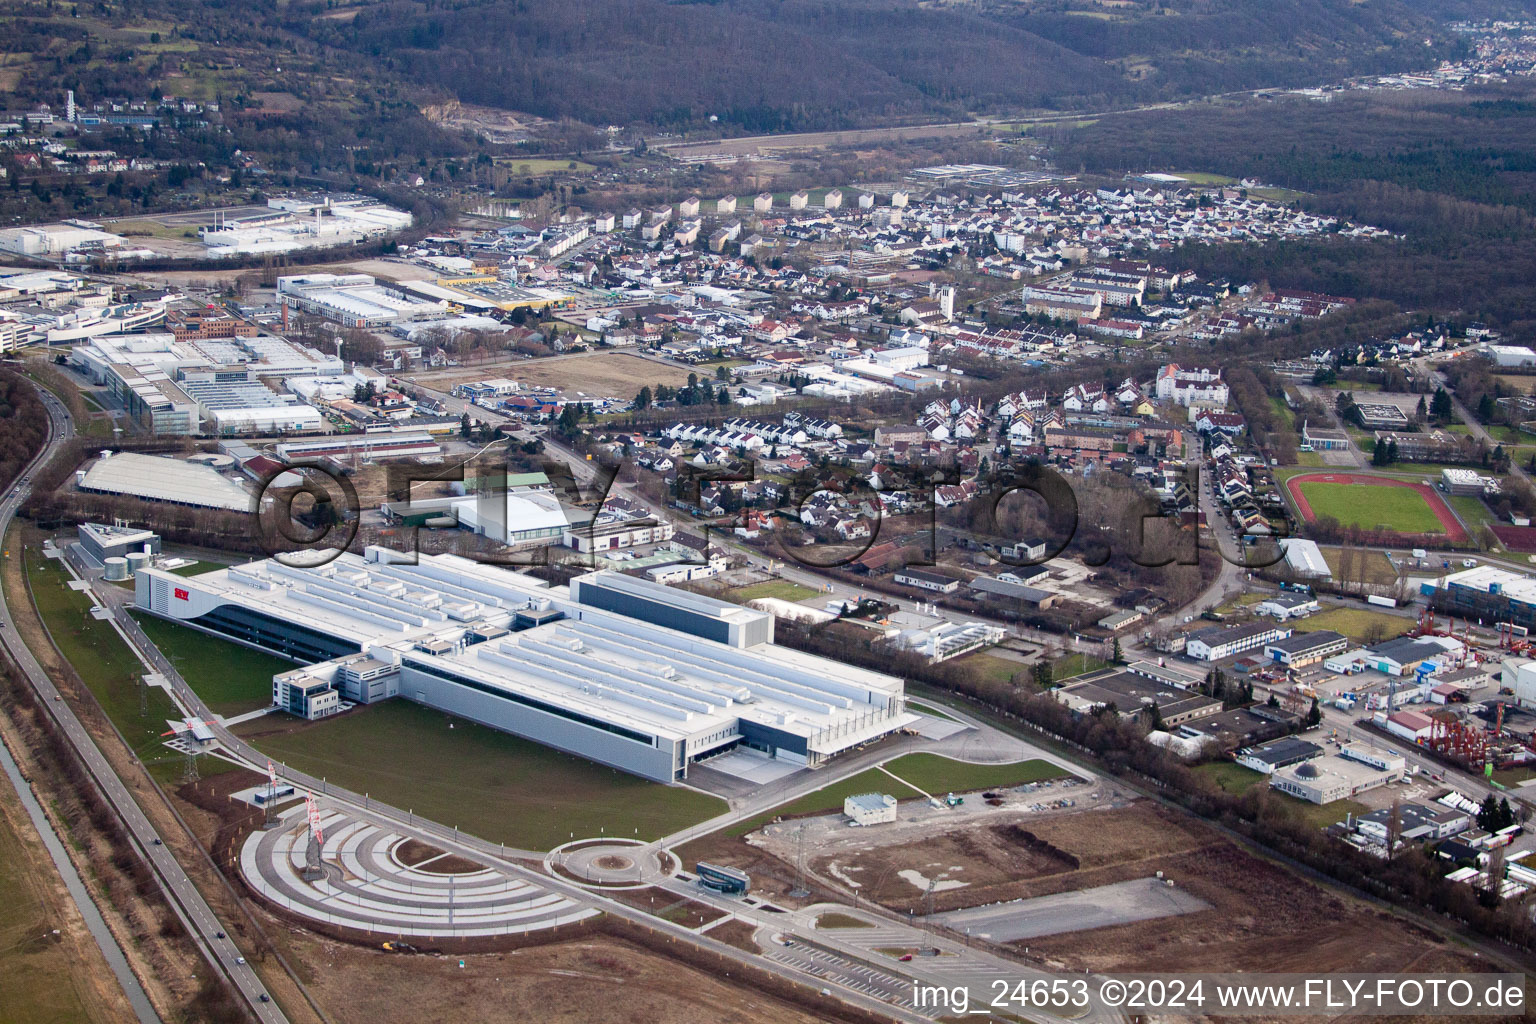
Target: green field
[197, 568]
[1358, 623]
[1471, 509]
[1361, 565]
[541, 165]
[931, 709]
[1205, 178]
[1069, 665]
[994, 668]
[1320, 816]
[1371, 506]
[938, 774]
[1232, 778]
[231, 679]
[488, 783]
[104, 662]
[781, 589]
[930, 773]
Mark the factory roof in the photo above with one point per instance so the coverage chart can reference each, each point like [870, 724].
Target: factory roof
[619, 669]
[154, 478]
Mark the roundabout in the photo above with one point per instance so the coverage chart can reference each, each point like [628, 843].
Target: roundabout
[610, 863]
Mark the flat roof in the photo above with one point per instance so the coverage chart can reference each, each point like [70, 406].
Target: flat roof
[606, 665]
[155, 478]
[1298, 643]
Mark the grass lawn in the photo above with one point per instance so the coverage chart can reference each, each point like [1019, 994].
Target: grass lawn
[231, 679]
[841, 921]
[493, 785]
[1284, 413]
[1310, 459]
[1205, 178]
[936, 773]
[1320, 816]
[1368, 506]
[781, 589]
[924, 772]
[1508, 777]
[104, 662]
[1276, 195]
[1471, 509]
[517, 165]
[38, 972]
[1070, 665]
[1357, 623]
[1232, 778]
[930, 709]
[1374, 566]
[993, 668]
[197, 568]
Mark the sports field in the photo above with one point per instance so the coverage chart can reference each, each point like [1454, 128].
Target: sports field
[1373, 502]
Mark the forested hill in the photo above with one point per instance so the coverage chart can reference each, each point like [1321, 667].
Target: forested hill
[764, 65]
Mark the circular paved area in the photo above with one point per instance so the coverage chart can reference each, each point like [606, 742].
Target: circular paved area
[610, 863]
[366, 885]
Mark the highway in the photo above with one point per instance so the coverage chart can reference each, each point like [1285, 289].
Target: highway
[195, 913]
[94, 922]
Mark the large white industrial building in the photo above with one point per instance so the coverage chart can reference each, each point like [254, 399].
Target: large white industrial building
[354, 300]
[210, 385]
[303, 223]
[619, 670]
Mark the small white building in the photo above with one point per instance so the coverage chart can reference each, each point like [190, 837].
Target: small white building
[870, 808]
[1287, 605]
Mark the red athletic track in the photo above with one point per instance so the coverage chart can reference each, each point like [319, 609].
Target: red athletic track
[1437, 505]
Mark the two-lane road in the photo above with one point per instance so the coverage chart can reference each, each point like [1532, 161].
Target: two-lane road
[195, 913]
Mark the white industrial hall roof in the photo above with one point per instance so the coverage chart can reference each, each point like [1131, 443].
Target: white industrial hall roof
[155, 478]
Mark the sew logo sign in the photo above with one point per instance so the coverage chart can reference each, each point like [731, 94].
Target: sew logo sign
[181, 594]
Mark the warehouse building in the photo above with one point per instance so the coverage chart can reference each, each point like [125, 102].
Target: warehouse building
[1302, 649]
[1305, 559]
[1132, 695]
[156, 478]
[923, 580]
[352, 300]
[619, 670]
[1218, 642]
[1282, 753]
[1487, 594]
[1286, 605]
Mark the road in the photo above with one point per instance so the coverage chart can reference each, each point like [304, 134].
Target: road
[94, 922]
[195, 913]
[982, 744]
[1464, 414]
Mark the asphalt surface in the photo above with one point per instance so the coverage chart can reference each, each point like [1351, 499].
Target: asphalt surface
[94, 922]
[185, 900]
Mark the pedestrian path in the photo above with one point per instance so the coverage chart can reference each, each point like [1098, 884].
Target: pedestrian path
[365, 883]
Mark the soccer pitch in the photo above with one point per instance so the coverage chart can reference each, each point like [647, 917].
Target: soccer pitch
[1400, 509]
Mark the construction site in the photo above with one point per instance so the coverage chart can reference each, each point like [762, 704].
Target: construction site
[1072, 876]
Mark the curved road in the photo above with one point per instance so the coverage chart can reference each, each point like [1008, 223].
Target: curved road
[190, 907]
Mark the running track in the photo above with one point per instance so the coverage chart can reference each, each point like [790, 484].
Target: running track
[1448, 521]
